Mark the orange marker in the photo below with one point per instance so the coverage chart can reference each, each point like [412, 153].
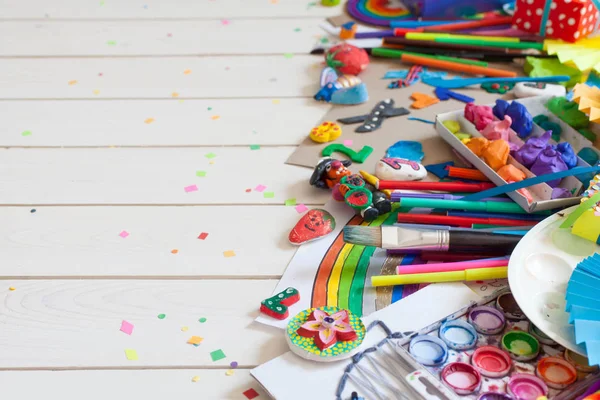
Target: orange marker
[466, 173]
[453, 66]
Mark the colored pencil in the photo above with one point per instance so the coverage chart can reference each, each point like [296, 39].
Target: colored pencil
[480, 274]
[521, 216]
[485, 206]
[452, 257]
[461, 25]
[449, 267]
[480, 42]
[465, 222]
[448, 36]
[441, 64]
[467, 173]
[396, 196]
[448, 46]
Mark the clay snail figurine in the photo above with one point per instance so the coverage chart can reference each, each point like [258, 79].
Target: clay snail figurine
[351, 188]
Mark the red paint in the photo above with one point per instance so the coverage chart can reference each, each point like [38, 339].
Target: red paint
[491, 361]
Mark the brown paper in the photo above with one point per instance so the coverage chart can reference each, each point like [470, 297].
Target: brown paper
[393, 129]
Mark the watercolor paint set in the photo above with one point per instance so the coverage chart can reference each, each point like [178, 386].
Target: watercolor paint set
[490, 351]
[537, 197]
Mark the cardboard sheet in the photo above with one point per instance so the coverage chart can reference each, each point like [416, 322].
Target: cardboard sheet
[393, 129]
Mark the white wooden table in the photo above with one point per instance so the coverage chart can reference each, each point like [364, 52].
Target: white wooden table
[108, 109]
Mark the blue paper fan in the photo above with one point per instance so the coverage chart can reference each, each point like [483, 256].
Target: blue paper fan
[583, 305]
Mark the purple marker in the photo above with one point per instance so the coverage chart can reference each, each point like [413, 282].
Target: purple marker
[396, 196]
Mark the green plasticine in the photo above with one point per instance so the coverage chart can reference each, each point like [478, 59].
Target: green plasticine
[569, 112]
[359, 157]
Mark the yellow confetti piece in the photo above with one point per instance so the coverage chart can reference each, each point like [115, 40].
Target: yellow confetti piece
[195, 340]
[187, 72]
[215, 117]
[131, 354]
[149, 120]
[195, 379]
[211, 162]
[96, 92]
[174, 94]
[229, 372]
[12, 288]
[71, 83]
[229, 253]
[184, 329]
[275, 101]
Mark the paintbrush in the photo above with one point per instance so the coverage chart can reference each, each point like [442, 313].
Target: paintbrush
[396, 238]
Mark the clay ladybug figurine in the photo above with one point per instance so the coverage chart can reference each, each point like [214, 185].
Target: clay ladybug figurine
[347, 59]
[350, 188]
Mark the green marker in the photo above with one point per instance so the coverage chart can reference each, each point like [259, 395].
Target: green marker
[484, 206]
[393, 53]
[487, 43]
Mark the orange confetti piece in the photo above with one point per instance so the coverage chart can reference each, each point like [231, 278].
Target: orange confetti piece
[174, 94]
[229, 253]
[71, 83]
[149, 120]
[215, 117]
[174, 251]
[187, 72]
[12, 288]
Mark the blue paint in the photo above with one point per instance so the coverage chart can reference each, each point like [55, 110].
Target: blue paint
[428, 350]
[406, 149]
[458, 335]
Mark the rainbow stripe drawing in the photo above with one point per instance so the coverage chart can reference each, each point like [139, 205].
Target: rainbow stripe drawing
[329, 272]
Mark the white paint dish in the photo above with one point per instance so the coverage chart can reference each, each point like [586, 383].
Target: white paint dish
[538, 272]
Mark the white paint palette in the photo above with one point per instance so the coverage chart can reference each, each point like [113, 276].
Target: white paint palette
[538, 273]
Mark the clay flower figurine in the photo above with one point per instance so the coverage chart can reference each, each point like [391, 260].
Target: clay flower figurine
[327, 329]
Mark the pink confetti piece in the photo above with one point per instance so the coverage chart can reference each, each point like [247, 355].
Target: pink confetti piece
[301, 208]
[260, 188]
[225, 22]
[348, 142]
[124, 234]
[191, 188]
[126, 327]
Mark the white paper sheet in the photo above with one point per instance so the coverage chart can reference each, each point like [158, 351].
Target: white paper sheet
[290, 377]
[301, 271]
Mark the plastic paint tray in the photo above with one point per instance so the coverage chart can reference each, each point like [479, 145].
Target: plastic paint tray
[489, 383]
[541, 193]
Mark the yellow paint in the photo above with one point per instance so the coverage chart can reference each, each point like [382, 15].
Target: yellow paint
[334, 279]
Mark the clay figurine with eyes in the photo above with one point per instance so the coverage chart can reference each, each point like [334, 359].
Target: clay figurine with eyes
[350, 188]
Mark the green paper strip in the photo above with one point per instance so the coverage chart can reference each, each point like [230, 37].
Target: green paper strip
[579, 211]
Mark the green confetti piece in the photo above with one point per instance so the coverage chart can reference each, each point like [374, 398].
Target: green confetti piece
[217, 355]
[324, 40]
[202, 320]
[297, 30]
[162, 316]
[268, 195]
[290, 202]
[201, 174]
[26, 133]
[288, 55]
[254, 147]
[209, 108]
[210, 155]
[112, 43]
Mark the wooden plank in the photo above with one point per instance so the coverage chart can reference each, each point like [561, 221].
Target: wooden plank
[76, 323]
[156, 9]
[85, 241]
[143, 38]
[117, 122]
[124, 385]
[272, 77]
[153, 176]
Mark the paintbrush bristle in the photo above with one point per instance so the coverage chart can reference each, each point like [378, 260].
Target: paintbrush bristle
[363, 235]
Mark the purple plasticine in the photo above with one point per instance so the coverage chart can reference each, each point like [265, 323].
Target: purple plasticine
[561, 193]
[549, 162]
[530, 151]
